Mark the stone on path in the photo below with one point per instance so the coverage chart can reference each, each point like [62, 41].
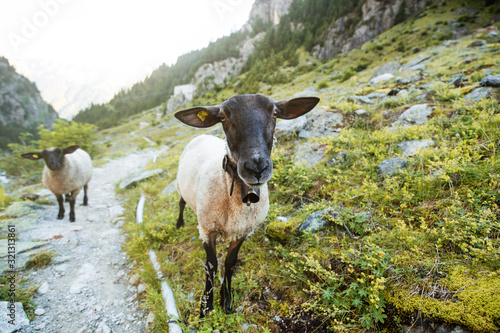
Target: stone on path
[21, 319]
[43, 289]
[133, 179]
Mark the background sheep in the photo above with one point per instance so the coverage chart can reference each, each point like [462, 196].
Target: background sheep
[213, 172]
[65, 172]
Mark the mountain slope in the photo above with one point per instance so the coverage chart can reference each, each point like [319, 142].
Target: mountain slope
[22, 108]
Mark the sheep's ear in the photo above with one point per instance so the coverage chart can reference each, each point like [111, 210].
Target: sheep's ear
[70, 149]
[199, 116]
[295, 107]
[32, 156]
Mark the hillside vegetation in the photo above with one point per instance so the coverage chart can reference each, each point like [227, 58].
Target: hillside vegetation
[416, 247]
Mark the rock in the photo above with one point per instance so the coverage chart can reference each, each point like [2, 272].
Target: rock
[321, 123]
[39, 312]
[458, 80]
[477, 43]
[376, 95]
[360, 112]
[141, 288]
[360, 99]
[21, 320]
[403, 93]
[308, 92]
[30, 196]
[393, 92]
[170, 188]
[132, 180]
[309, 153]
[410, 148]
[415, 115]
[339, 159]
[103, 328]
[389, 68]
[478, 94]
[316, 220]
[150, 320]
[134, 278]
[391, 166]
[491, 81]
[288, 128]
[43, 289]
[450, 42]
[21, 247]
[416, 62]
[381, 78]
[408, 80]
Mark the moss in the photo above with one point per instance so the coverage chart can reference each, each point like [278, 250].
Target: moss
[473, 300]
[282, 231]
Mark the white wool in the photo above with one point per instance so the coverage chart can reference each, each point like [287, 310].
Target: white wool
[205, 187]
[76, 173]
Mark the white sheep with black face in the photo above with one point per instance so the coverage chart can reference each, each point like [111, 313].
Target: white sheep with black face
[213, 172]
[66, 172]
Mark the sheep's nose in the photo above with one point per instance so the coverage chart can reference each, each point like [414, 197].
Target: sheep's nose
[257, 167]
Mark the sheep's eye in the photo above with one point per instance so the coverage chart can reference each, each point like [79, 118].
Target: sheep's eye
[222, 117]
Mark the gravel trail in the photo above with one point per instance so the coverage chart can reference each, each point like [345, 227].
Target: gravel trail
[89, 287]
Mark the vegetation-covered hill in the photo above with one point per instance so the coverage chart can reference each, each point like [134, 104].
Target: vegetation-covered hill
[414, 244]
[22, 108]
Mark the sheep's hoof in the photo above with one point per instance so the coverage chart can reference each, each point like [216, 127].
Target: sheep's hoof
[60, 216]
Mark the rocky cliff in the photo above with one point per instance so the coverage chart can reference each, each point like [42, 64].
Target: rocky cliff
[22, 108]
[353, 30]
[269, 11]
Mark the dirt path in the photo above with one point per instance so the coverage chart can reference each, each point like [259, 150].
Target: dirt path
[88, 286]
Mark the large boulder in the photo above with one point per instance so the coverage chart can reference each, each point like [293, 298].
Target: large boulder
[317, 123]
[309, 153]
[417, 114]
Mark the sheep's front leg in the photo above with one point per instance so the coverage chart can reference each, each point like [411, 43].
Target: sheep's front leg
[60, 201]
[72, 208]
[207, 301]
[231, 258]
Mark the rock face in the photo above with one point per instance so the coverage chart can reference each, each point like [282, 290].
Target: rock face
[377, 17]
[23, 109]
[269, 10]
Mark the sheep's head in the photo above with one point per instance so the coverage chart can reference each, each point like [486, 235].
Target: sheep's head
[53, 157]
[249, 122]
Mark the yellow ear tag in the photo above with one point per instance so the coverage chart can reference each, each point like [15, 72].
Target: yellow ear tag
[202, 115]
[35, 155]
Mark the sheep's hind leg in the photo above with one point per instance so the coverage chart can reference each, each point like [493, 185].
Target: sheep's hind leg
[85, 197]
[180, 220]
[71, 207]
[230, 263]
[60, 201]
[207, 301]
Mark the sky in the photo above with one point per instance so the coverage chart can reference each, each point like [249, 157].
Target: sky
[132, 37]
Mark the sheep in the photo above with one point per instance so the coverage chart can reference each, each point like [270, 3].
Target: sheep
[210, 170]
[65, 172]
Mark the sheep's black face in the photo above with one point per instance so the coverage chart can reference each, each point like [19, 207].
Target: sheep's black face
[249, 122]
[54, 158]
